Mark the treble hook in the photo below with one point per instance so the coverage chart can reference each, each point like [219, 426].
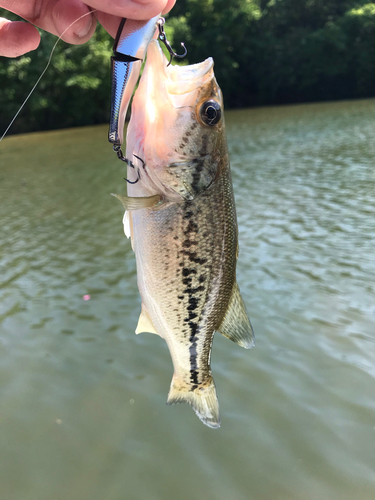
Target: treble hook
[163, 38]
[120, 155]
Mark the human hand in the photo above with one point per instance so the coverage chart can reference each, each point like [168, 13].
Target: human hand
[17, 38]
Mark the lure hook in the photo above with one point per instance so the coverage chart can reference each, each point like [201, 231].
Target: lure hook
[163, 38]
[120, 156]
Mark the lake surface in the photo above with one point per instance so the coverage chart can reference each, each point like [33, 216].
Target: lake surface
[82, 398]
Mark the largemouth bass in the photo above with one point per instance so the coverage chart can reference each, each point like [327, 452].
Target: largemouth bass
[181, 217]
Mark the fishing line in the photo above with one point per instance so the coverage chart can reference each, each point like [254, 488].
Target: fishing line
[45, 69]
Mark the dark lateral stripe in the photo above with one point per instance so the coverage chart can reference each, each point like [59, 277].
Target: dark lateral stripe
[188, 274]
[193, 356]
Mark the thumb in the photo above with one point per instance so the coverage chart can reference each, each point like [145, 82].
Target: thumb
[17, 38]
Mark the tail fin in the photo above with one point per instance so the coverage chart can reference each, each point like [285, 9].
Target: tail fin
[203, 400]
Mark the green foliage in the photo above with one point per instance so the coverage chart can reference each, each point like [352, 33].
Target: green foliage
[225, 30]
[315, 50]
[282, 51]
[265, 51]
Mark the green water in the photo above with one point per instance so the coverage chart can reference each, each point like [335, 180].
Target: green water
[82, 398]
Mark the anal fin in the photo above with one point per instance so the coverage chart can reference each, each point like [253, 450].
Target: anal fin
[236, 325]
[145, 323]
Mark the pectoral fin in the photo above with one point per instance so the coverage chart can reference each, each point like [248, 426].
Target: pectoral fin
[136, 203]
[236, 325]
[145, 323]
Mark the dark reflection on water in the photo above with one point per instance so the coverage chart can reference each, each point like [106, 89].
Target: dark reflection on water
[82, 412]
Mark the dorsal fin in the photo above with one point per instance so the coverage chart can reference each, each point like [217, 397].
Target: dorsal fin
[145, 323]
[236, 325]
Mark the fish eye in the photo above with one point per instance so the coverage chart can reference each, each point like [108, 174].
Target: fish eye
[210, 112]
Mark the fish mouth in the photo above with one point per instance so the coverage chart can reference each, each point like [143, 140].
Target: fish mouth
[164, 108]
[178, 79]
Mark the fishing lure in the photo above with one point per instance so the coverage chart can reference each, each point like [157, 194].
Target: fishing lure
[129, 51]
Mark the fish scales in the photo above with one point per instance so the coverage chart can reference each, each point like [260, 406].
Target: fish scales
[185, 238]
[182, 245]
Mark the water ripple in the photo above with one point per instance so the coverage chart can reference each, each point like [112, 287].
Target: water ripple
[82, 397]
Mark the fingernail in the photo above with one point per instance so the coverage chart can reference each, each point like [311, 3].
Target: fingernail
[84, 30]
